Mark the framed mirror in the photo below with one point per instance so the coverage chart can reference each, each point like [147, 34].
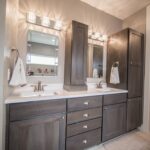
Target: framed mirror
[95, 61]
[42, 54]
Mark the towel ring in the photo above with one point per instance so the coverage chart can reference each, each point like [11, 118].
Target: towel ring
[116, 64]
[16, 50]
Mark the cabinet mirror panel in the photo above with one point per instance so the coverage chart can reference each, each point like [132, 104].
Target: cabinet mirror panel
[42, 54]
[95, 61]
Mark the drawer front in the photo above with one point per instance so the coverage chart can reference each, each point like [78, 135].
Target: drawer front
[84, 126]
[78, 116]
[84, 140]
[115, 99]
[31, 109]
[76, 104]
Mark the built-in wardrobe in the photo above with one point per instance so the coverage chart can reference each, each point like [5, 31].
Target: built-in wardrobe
[127, 48]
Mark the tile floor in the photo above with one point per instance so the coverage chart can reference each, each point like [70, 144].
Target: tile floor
[133, 141]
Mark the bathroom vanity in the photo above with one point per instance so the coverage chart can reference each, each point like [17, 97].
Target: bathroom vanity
[69, 120]
[78, 118]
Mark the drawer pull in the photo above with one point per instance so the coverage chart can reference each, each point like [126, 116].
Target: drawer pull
[84, 141]
[86, 103]
[85, 127]
[85, 115]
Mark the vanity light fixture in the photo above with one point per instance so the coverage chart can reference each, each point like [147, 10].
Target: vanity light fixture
[97, 36]
[58, 25]
[45, 21]
[31, 17]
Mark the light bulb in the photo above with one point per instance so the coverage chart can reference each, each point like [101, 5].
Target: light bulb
[105, 37]
[45, 21]
[31, 17]
[58, 25]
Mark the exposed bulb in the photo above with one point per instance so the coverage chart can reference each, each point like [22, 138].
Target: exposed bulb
[31, 17]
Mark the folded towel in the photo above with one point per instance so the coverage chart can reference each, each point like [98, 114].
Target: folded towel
[18, 77]
[114, 76]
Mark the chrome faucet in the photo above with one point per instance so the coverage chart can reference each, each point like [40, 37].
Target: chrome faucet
[39, 87]
[101, 84]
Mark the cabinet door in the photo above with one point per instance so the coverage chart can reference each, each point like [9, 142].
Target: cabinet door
[117, 52]
[79, 53]
[45, 133]
[134, 113]
[114, 121]
[135, 65]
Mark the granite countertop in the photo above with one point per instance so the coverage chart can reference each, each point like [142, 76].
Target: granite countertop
[63, 95]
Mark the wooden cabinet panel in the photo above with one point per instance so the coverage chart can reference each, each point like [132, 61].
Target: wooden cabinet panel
[79, 53]
[115, 99]
[84, 140]
[117, 52]
[84, 126]
[75, 56]
[134, 112]
[83, 115]
[31, 109]
[114, 121]
[38, 134]
[135, 65]
[81, 103]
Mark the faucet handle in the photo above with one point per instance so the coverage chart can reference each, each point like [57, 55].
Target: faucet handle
[35, 87]
[43, 87]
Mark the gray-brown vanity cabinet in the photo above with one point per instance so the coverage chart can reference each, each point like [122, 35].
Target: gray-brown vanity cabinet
[37, 125]
[114, 116]
[127, 47]
[84, 122]
[76, 56]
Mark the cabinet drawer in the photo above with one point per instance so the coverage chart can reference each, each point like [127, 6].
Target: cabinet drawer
[115, 99]
[31, 109]
[84, 140]
[78, 116]
[84, 126]
[81, 103]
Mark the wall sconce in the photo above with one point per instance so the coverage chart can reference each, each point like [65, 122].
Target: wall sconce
[97, 36]
[31, 17]
[44, 21]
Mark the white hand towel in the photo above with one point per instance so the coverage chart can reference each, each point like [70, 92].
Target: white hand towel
[18, 77]
[114, 76]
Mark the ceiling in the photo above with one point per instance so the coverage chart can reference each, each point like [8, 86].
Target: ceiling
[119, 8]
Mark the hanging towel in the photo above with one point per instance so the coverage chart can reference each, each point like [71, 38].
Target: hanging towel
[114, 76]
[18, 77]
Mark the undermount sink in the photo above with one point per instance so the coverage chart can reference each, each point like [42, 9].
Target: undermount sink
[103, 89]
[36, 94]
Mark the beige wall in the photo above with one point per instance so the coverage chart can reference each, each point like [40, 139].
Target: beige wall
[146, 125]
[2, 44]
[137, 21]
[64, 10]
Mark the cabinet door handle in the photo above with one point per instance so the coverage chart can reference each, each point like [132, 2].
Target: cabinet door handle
[105, 108]
[86, 103]
[63, 117]
[84, 141]
[85, 127]
[85, 115]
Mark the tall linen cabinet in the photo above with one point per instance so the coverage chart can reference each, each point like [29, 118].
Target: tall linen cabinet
[127, 48]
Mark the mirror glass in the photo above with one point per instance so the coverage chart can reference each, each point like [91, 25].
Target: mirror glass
[95, 61]
[42, 54]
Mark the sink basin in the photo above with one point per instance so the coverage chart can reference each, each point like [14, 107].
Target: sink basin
[36, 94]
[103, 89]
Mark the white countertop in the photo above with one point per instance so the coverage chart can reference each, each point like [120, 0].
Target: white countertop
[63, 95]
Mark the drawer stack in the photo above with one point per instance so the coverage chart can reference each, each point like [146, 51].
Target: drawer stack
[84, 121]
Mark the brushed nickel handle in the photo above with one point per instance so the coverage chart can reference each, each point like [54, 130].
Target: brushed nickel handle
[85, 115]
[84, 141]
[85, 127]
[86, 103]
